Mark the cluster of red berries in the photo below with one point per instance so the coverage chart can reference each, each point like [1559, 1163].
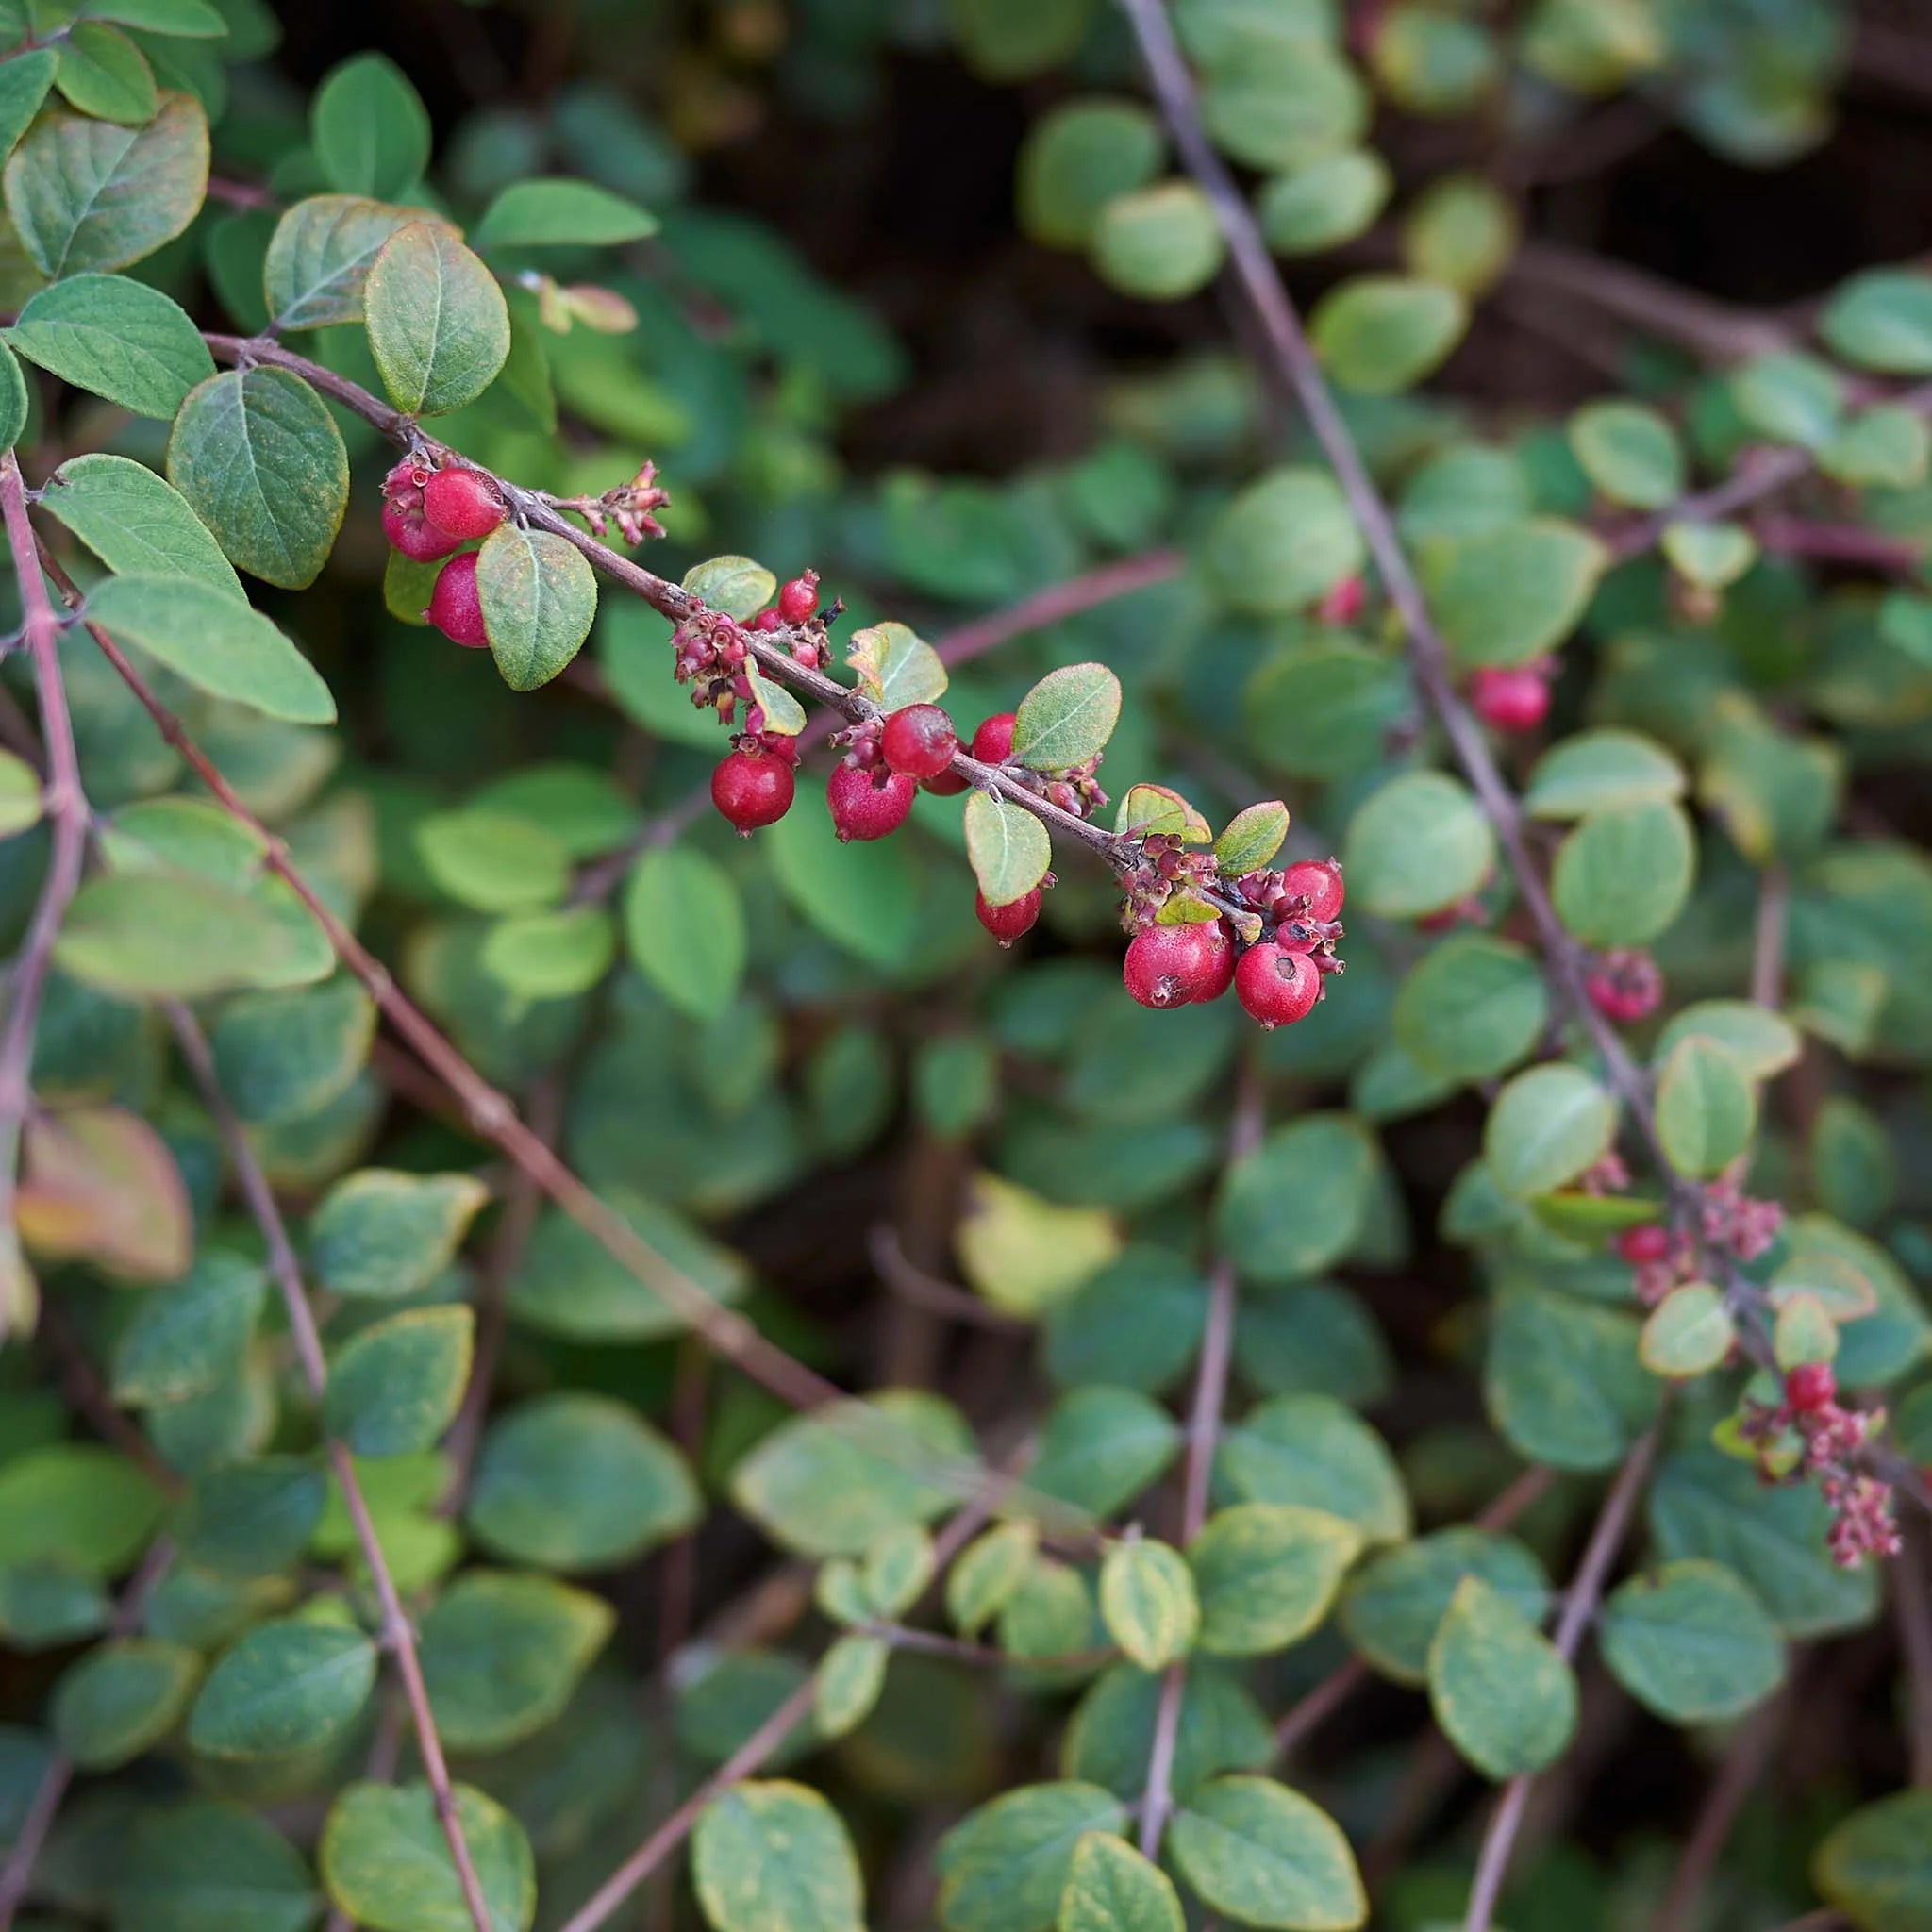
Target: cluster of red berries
[427, 513]
[1624, 986]
[1512, 698]
[1277, 978]
[1827, 1438]
[1731, 1220]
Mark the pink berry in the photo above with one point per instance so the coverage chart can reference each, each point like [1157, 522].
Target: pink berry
[766, 620]
[1172, 965]
[993, 743]
[1219, 953]
[1342, 601]
[1320, 881]
[402, 522]
[1624, 986]
[454, 608]
[867, 804]
[919, 741]
[1277, 987]
[752, 788]
[1515, 700]
[947, 784]
[1007, 922]
[462, 502]
[1810, 1385]
[1643, 1248]
[799, 598]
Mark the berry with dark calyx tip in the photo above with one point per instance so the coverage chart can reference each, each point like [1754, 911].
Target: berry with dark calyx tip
[1277, 987]
[867, 804]
[1644, 1247]
[799, 598]
[919, 741]
[1007, 922]
[1513, 700]
[1319, 881]
[1624, 986]
[402, 522]
[454, 608]
[1810, 1385]
[463, 502]
[753, 787]
[1172, 965]
[993, 743]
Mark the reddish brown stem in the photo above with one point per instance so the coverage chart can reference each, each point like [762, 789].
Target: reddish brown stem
[1058, 602]
[1847, 543]
[1745, 1762]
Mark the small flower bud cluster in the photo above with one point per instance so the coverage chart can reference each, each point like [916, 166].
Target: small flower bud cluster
[1164, 863]
[1809, 1433]
[1731, 1222]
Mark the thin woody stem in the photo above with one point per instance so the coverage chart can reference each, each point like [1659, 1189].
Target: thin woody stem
[398, 1636]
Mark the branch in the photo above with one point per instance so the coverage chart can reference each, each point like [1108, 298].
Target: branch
[1579, 1607]
[1058, 602]
[65, 805]
[399, 1638]
[1745, 1762]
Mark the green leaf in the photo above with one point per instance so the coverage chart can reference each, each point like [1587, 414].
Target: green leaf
[1286, 99]
[79, 1504]
[215, 642]
[88, 195]
[1706, 1504]
[1393, 1609]
[383, 1234]
[551, 956]
[1761, 1041]
[492, 862]
[1472, 1007]
[1790, 397]
[738, 586]
[578, 1482]
[829, 1483]
[45, 1607]
[1419, 843]
[1159, 244]
[1508, 595]
[862, 895]
[439, 326]
[1283, 542]
[685, 928]
[1266, 1574]
[370, 131]
[387, 1865]
[1562, 1381]
[846, 1685]
[1295, 1206]
[1461, 230]
[1547, 1126]
[24, 78]
[1707, 1108]
[135, 523]
[397, 1385]
[1221, 1728]
[261, 461]
[169, 935]
[1500, 1689]
[1329, 201]
[1112, 1888]
[539, 596]
[1886, 447]
[121, 1698]
[1147, 1601]
[283, 1055]
[1262, 1854]
[1710, 555]
[1079, 157]
[117, 339]
[1067, 718]
[13, 404]
[987, 1572]
[1688, 1333]
[204, 1866]
[1877, 1865]
[1882, 320]
[290, 1686]
[319, 255]
[561, 214]
[188, 19]
[1325, 711]
[1315, 1453]
[1009, 848]
[1379, 334]
[187, 1338]
[1252, 839]
[19, 795]
[1100, 1447]
[772, 1853]
[251, 1519]
[1691, 1642]
[1601, 771]
[1005, 1867]
[1630, 452]
[896, 667]
[103, 73]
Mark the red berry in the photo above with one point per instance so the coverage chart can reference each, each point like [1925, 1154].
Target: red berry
[780, 745]
[919, 741]
[462, 502]
[1320, 881]
[402, 522]
[1342, 601]
[1624, 986]
[1810, 1385]
[1007, 922]
[1275, 986]
[1220, 953]
[767, 620]
[1643, 1246]
[1510, 700]
[947, 784]
[1172, 965]
[752, 788]
[454, 609]
[993, 743]
[799, 598]
[867, 804]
